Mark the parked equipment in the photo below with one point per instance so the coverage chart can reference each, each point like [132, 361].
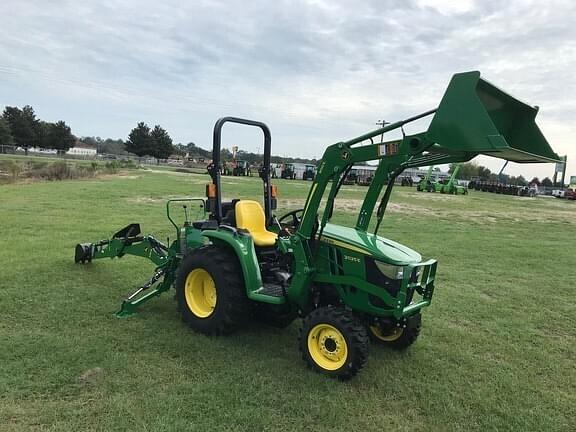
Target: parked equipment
[528, 191]
[567, 193]
[450, 186]
[346, 283]
[241, 168]
[427, 184]
[309, 172]
[288, 172]
[406, 181]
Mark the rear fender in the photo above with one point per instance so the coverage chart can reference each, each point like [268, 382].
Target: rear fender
[243, 247]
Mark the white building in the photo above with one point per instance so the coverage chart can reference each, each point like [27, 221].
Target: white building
[82, 150]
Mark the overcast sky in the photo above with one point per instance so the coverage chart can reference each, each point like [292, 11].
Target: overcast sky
[317, 71]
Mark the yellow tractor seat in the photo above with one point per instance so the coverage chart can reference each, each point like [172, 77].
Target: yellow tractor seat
[250, 216]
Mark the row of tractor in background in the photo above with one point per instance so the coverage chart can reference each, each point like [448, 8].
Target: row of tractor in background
[431, 180]
[290, 171]
[294, 171]
[530, 190]
[555, 188]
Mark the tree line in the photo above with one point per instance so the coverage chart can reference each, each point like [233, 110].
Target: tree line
[20, 127]
[142, 141]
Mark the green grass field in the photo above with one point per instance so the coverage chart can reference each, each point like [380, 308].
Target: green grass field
[496, 351]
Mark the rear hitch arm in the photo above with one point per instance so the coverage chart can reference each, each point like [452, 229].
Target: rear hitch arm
[127, 241]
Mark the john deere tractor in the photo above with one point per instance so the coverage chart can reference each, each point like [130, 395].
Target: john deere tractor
[348, 284]
[241, 168]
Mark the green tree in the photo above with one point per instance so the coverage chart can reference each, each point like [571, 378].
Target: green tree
[547, 182]
[60, 137]
[113, 146]
[105, 146]
[180, 149]
[140, 141]
[6, 138]
[42, 133]
[24, 126]
[162, 143]
[483, 172]
[535, 181]
[521, 181]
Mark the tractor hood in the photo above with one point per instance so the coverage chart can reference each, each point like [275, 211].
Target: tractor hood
[365, 243]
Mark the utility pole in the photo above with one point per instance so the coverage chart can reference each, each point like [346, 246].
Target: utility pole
[382, 123]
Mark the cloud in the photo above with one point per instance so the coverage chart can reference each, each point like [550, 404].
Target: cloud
[316, 71]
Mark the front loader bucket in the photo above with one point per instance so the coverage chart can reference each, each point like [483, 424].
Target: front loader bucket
[476, 117]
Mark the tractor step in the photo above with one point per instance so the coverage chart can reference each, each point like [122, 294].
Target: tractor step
[273, 290]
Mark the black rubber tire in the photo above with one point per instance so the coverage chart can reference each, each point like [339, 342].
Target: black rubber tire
[353, 331]
[232, 308]
[409, 334]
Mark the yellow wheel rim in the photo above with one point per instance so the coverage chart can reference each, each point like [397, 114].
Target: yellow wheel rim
[327, 347]
[386, 336]
[200, 293]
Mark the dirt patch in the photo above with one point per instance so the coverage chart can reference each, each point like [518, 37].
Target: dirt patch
[120, 175]
[145, 200]
[354, 205]
[431, 196]
[91, 376]
[174, 173]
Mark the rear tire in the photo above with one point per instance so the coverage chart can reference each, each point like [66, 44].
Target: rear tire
[395, 336]
[210, 291]
[334, 342]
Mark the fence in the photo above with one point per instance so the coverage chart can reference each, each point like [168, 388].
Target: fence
[13, 150]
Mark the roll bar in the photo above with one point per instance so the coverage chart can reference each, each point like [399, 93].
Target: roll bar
[214, 167]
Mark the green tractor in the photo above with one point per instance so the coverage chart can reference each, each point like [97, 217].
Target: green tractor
[241, 169]
[347, 283]
[450, 186]
[309, 172]
[427, 184]
[288, 172]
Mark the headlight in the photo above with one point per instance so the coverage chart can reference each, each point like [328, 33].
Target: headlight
[390, 271]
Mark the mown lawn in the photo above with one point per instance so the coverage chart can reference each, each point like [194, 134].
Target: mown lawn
[496, 352]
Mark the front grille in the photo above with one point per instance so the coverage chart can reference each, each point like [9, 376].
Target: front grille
[376, 277]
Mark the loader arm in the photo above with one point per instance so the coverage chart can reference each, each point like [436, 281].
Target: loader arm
[429, 173]
[474, 117]
[453, 176]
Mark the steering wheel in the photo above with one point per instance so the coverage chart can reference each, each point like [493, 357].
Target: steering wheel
[295, 215]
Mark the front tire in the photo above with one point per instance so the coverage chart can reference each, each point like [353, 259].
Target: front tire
[210, 291]
[394, 336]
[334, 342]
